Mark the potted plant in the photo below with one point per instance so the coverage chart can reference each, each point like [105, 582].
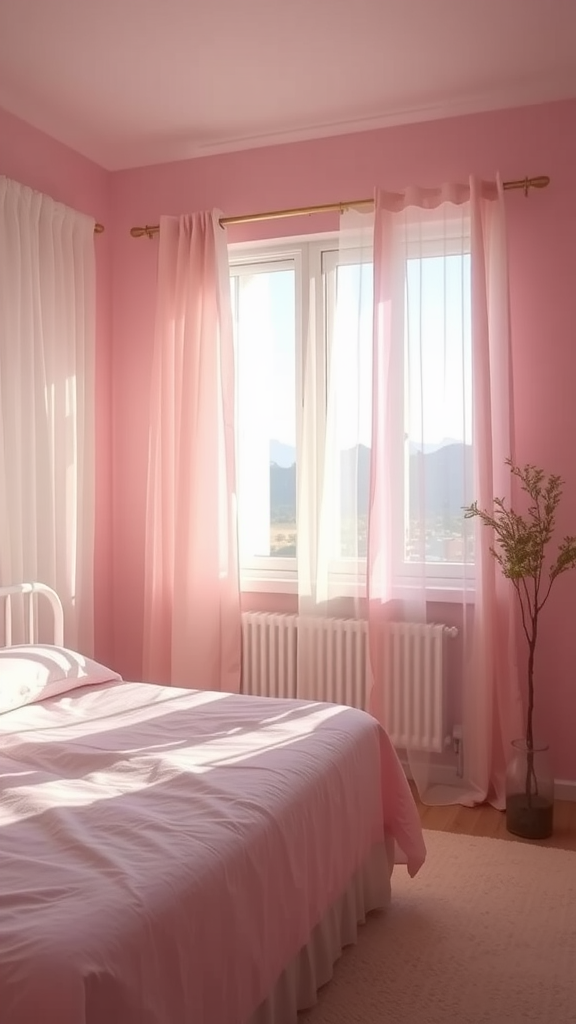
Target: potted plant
[521, 550]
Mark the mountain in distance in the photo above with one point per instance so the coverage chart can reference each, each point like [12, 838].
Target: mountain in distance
[441, 470]
[281, 454]
[445, 475]
[437, 479]
[431, 446]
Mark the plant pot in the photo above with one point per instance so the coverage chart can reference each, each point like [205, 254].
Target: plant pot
[529, 792]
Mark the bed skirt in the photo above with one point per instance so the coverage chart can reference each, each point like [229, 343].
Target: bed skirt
[298, 985]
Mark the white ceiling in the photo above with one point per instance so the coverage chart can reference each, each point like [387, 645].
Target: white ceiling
[134, 82]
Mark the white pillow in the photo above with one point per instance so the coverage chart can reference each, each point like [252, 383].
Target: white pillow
[33, 672]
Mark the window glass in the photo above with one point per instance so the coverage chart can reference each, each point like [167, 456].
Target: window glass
[263, 304]
[437, 410]
[349, 302]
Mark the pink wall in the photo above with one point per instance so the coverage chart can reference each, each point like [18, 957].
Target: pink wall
[36, 160]
[542, 237]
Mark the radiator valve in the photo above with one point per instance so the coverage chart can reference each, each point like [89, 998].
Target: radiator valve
[457, 747]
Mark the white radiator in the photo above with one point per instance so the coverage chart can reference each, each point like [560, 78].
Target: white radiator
[336, 656]
[269, 654]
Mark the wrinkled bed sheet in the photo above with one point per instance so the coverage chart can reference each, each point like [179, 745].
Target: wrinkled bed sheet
[165, 853]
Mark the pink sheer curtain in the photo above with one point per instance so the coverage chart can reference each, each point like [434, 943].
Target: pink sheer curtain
[192, 634]
[467, 222]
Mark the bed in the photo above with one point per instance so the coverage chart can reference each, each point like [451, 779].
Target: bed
[179, 856]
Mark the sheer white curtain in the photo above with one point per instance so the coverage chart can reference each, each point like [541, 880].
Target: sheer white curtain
[47, 442]
[192, 633]
[333, 470]
[442, 429]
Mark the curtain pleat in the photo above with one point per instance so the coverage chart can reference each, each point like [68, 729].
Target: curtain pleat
[192, 634]
[47, 401]
[442, 430]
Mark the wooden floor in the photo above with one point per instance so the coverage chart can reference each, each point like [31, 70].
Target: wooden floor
[487, 821]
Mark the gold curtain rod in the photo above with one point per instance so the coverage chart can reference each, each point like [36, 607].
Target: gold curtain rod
[300, 211]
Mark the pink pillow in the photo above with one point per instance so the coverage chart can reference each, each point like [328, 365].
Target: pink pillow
[33, 672]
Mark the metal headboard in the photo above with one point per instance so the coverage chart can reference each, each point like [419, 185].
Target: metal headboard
[31, 595]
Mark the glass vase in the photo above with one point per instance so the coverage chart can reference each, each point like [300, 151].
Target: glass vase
[529, 791]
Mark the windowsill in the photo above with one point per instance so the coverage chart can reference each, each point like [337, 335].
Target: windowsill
[268, 586]
[437, 591]
[447, 595]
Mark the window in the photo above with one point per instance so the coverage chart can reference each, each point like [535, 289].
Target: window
[303, 312]
[437, 409]
[347, 321]
[265, 308]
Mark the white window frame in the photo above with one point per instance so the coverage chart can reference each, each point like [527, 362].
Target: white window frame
[444, 581]
[349, 572]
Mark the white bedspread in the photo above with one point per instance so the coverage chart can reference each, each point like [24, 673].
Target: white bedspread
[164, 853]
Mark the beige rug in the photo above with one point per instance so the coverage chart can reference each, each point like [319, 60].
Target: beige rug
[485, 934]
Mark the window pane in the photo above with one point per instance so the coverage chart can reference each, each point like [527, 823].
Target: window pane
[438, 410]
[350, 374]
[263, 302]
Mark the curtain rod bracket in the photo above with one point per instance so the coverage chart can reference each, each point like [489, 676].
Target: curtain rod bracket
[149, 230]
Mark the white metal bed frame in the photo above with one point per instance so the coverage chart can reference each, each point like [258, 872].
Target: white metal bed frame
[30, 594]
